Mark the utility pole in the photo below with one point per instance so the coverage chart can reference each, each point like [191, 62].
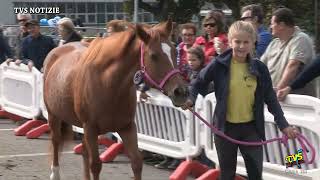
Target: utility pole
[135, 13]
[317, 25]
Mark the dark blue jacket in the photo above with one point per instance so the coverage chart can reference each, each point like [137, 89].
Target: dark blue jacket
[36, 49]
[308, 74]
[5, 50]
[218, 71]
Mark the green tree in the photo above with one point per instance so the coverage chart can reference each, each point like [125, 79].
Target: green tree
[180, 11]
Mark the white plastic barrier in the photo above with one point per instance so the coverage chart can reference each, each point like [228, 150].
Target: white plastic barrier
[165, 129]
[300, 111]
[20, 90]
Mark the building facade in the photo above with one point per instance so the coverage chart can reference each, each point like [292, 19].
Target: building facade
[90, 12]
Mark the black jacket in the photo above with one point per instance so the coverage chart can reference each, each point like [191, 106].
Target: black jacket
[74, 36]
[5, 50]
[218, 71]
[308, 74]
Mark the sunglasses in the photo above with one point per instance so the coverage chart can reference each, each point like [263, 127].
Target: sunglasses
[245, 18]
[187, 35]
[210, 24]
[22, 20]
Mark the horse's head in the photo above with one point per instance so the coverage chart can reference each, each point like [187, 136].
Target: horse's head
[158, 62]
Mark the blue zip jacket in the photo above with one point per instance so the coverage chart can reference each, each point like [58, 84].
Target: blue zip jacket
[218, 71]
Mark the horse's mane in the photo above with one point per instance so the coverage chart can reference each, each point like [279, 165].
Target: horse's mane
[114, 46]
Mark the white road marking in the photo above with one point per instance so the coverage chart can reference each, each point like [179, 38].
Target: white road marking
[32, 155]
[6, 129]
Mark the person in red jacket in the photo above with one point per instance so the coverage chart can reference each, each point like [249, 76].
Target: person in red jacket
[214, 41]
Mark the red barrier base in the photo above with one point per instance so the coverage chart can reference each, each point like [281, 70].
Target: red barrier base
[188, 167]
[111, 152]
[213, 174]
[101, 141]
[7, 115]
[38, 131]
[26, 127]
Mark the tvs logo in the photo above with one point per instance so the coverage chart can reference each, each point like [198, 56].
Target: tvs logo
[295, 159]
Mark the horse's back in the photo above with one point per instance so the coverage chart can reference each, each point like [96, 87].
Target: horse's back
[59, 73]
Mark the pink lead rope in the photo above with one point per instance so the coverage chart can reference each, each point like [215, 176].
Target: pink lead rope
[284, 139]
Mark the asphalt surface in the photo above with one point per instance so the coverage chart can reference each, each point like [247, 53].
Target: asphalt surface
[28, 159]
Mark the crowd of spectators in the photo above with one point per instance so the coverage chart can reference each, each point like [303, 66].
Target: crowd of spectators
[283, 49]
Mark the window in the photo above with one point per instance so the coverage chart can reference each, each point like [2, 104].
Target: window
[91, 18]
[147, 17]
[61, 7]
[119, 7]
[101, 18]
[91, 8]
[119, 16]
[82, 18]
[40, 17]
[101, 7]
[81, 8]
[72, 16]
[110, 7]
[110, 17]
[71, 8]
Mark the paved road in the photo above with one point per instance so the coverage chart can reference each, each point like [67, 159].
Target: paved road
[27, 159]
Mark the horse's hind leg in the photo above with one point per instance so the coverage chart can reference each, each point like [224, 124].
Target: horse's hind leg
[85, 156]
[91, 144]
[55, 126]
[130, 142]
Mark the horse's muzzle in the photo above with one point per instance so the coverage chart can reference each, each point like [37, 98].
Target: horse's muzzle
[179, 95]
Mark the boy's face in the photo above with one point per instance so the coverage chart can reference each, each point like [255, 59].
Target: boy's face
[193, 61]
[242, 44]
[34, 30]
[188, 36]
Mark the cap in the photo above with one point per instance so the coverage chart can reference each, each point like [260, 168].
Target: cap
[32, 22]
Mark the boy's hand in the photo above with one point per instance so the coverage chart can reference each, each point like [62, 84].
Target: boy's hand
[291, 132]
[143, 97]
[187, 104]
[282, 93]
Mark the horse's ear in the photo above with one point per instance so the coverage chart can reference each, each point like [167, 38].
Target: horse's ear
[142, 34]
[168, 27]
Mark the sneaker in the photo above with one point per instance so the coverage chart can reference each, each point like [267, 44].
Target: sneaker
[164, 164]
[174, 164]
[22, 121]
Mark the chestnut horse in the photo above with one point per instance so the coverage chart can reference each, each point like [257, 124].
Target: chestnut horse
[93, 88]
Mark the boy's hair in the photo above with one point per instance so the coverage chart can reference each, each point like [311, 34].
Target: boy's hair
[242, 26]
[284, 15]
[256, 10]
[117, 25]
[66, 24]
[198, 52]
[189, 26]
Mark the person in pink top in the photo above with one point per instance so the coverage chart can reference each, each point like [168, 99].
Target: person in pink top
[214, 41]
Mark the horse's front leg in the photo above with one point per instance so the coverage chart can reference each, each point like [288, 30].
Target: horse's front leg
[90, 140]
[130, 142]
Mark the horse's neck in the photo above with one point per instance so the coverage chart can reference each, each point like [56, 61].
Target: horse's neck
[124, 67]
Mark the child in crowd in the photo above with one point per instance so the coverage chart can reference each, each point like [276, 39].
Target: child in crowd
[242, 85]
[195, 58]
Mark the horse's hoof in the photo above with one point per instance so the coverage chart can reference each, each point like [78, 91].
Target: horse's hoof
[55, 174]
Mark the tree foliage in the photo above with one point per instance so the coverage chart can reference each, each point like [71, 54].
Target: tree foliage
[182, 11]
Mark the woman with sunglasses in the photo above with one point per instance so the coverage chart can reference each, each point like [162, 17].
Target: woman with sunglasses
[213, 28]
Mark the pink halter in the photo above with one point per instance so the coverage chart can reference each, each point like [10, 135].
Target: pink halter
[160, 85]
